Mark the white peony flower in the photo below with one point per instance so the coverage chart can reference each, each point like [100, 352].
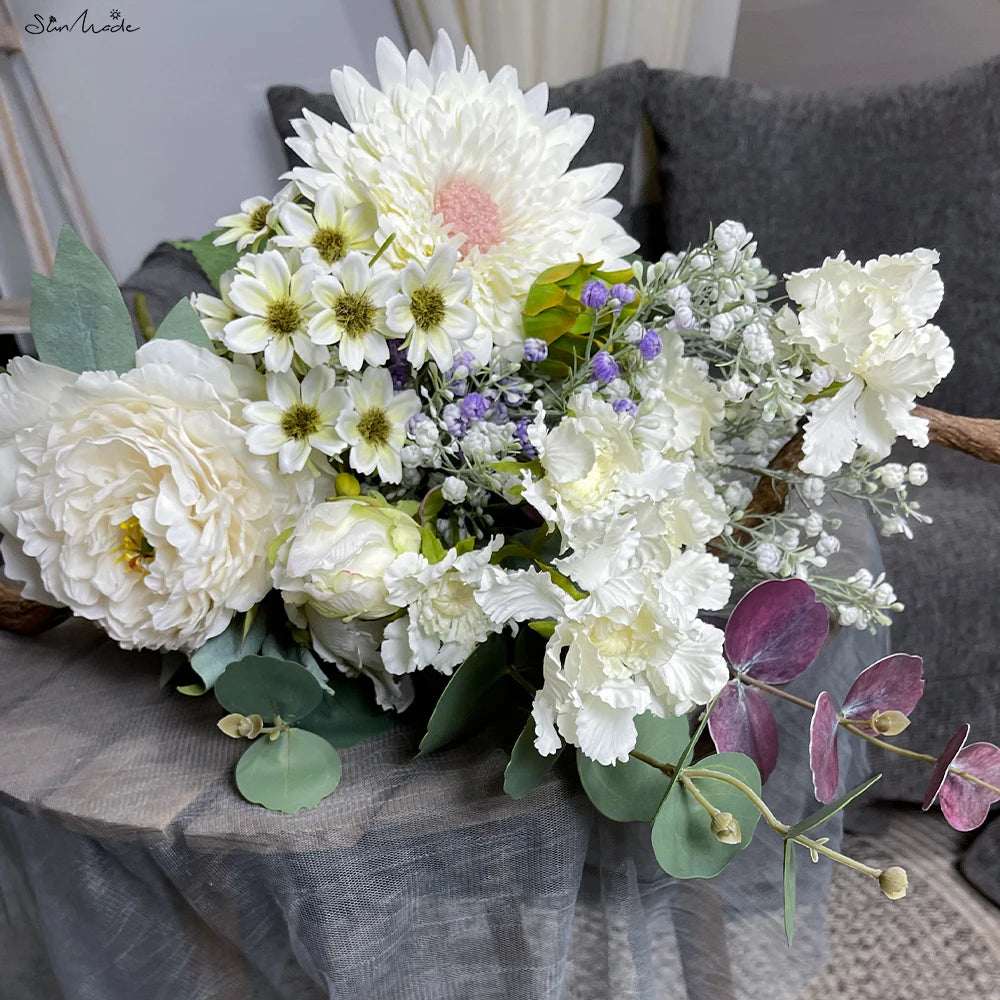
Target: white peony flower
[448, 156]
[374, 424]
[335, 226]
[443, 623]
[296, 418]
[430, 312]
[353, 300]
[334, 563]
[275, 306]
[137, 497]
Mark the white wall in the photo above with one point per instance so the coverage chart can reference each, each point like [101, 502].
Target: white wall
[167, 128]
[825, 44]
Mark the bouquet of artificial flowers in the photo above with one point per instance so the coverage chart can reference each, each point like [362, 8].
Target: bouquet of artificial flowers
[440, 422]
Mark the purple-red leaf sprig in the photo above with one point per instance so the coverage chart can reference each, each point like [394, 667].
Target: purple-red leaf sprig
[964, 804]
[773, 635]
[892, 684]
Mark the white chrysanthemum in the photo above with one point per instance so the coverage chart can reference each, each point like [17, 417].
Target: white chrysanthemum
[447, 155]
[430, 312]
[275, 305]
[374, 424]
[352, 316]
[296, 417]
[443, 622]
[136, 495]
[335, 226]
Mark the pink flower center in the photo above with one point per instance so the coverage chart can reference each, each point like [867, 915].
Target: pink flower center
[468, 209]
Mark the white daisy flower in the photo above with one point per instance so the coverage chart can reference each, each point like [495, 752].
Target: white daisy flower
[353, 314]
[430, 312]
[295, 418]
[330, 231]
[256, 218]
[375, 424]
[275, 307]
[447, 155]
[215, 311]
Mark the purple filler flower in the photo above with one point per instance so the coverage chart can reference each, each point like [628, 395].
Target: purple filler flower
[521, 433]
[474, 406]
[451, 417]
[535, 349]
[594, 294]
[623, 293]
[624, 406]
[605, 367]
[650, 345]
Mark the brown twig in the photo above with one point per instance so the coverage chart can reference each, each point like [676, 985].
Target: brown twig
[22, 616]
[975, 436]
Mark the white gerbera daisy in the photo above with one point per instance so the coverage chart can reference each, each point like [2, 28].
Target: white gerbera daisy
[353, 298]
[295, 418]
[375, 424]
[275, 307]
[334, 227]
[447, 155]
[430, 310]
[256, 218]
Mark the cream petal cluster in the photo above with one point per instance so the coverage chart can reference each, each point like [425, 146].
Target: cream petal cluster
[869, 323]
[447, 155]
[136, 497]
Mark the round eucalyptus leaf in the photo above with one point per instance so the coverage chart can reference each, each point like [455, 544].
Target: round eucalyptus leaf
[350, 716]
[633, 790]
[683, 842]
[293, 772]
[527, 767]
[268, 687]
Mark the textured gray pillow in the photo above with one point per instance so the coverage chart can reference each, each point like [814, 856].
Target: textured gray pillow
[868, 172]
[613, 96]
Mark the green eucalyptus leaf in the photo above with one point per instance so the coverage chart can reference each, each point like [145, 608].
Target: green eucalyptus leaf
[683, 842]
[170, 665]
[633, 790]
[465, 694]
[290, 650]
[214, 261]
[788, 876]
[350, 716]
[824, 813]
[268, 687]
[214, 656]
[192, 690]
[542, 296]
[527, 767]
[182, 323]
[688, 752]
[78, 317]
[293, 772]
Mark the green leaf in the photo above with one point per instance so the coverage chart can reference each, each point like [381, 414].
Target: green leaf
[213, 260]
[430, 546]
[831, 390]
[214, 656]
[269, 687]
[292, 651]
[551, 324]
[349, 716]
[527, 766]
[465, 693]
[275, 547]
[688, 753]
[543, 627]
[683, 842]
[542, 296]
[78, 317]
[192, 690]
[182, 323]
[559, 272]
[788, 875]
[825, 812]
[551, 368]
[633, 790]
[293, 772]
[171, 664]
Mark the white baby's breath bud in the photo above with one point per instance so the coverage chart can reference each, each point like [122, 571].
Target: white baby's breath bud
[758, 440]
[847, 615]
[862, 578]
[821, 377]
[826, 544]
[734, 389]
[410, 456]
[894, 525]
[731, 235]
[454, 490]
[916, 474]
[884, 594]
[812, 525]
[683, 316]
[721, 326]
[790, 539]
[701, 261]
[893, 475]
[677, 295]
[813, 490]
[768, 557]
[737, 496]
[633, 333]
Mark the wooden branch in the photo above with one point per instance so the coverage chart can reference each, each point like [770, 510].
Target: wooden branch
[975, 436]
[23, 616]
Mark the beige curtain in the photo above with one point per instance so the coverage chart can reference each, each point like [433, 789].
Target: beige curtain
[561, 40]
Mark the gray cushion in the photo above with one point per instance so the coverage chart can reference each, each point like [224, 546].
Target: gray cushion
[868, 172]
[613, 96]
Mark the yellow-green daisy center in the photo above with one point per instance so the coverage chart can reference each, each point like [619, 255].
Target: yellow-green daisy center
[427, 306]
[331, 244]
[375, 427]
[258, 217]
[136, 552]
[284, 316]
[300, 420]
[355, 313]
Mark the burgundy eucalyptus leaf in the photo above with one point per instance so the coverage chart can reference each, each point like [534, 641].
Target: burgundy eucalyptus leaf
[964, 803]
[893, 683]
[776, 630]
[951, 751]
[741, 721]
[823, 760]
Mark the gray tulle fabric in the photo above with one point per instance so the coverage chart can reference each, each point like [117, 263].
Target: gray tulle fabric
[130, 867]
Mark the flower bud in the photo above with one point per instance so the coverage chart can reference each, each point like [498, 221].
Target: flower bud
[893, 882]
[890, 723]
[237, 726]
[347, 485]
[726, 828]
